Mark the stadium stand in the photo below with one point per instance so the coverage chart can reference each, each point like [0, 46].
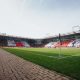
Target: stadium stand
[49, 45]
[14, 43]
[22, 44]
[19, 44]
[25, 44]
[71, 44]
[67, 40]
[67, 43]
[11, 43]
[54, 44]
[77, 43]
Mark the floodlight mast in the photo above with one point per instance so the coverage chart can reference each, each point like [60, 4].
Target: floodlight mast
[73, 28]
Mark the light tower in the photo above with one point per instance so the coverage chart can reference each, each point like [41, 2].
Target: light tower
[76, 27]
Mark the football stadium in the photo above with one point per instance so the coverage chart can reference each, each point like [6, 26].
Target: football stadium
[58, 53]
[39, 57]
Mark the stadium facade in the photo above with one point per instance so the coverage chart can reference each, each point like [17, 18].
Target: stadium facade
[67, 40]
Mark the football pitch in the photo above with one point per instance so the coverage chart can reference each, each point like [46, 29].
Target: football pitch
[64, 60]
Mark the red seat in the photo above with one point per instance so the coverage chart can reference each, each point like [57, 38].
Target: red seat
[19, 44]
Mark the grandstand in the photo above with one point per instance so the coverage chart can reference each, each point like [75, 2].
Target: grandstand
[62, 56]
[67, 40]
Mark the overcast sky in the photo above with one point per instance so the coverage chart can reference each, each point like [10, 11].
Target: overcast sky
[38, 18]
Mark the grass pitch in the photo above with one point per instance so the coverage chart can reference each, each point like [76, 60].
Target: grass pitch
[67, 62]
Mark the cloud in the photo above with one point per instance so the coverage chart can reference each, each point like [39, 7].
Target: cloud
[27, 18]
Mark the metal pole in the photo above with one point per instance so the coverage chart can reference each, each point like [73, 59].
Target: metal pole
[60, 46]
[60, 51]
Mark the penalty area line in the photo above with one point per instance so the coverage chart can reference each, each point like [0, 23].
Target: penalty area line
[57, 57]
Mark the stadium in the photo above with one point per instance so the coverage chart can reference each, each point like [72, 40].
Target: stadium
[60, 53]
[37, 40]
[66, 40]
